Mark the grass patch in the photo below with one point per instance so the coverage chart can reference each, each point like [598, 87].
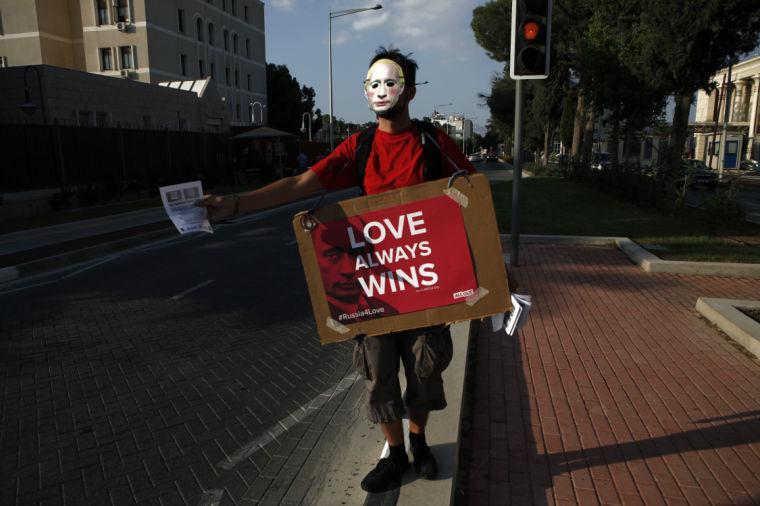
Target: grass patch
[751, 312]
[555, 206]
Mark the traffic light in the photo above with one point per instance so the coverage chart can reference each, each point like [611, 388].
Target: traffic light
[531, 37]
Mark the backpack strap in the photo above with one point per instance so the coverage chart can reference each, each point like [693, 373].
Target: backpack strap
[430, 150]
[361, 155]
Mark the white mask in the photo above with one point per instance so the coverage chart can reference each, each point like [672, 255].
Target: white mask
[383, 85]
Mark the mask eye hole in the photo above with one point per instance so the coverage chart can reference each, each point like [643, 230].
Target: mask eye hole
[390, 84]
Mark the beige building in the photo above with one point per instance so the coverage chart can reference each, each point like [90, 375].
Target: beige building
[152, 41]
[73, 97]
[743, 132]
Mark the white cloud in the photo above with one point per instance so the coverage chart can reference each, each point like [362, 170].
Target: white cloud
[340, 38]
[368, 20]
[424, 23]
[284, 4]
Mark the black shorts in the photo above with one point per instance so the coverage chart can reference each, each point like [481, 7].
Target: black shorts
[425, 352]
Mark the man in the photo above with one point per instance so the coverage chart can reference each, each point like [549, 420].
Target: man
[396, 159]
[337, 264]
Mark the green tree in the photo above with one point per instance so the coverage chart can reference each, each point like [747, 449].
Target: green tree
[287, 99]
[677, 45]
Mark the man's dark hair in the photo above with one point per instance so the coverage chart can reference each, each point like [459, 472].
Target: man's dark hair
[405, 61]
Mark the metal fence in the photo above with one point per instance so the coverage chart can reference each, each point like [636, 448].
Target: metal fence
[57, 156]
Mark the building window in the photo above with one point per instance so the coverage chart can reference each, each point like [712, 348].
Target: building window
[121, 8]
[224, 5]
[183, 64]
[127, 58]
[84, 118]
[201, 69]
[212, 72]
[248, 82]
[234, 10]
[199, 29]
[106, 61]
[235, 44]
[237, 111]
[245, 12]
[101, 6]
[101, 119]
[247, 48]
[227, 75]
[181, 21]
[226, 37]
[648, 148]
[211, 34]
[237, 78]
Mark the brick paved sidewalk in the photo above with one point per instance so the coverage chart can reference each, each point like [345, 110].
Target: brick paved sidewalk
[616, 391]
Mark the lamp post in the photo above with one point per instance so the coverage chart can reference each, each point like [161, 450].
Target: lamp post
[338, 14]
[253, 111]
[303, 123]
[28, 106]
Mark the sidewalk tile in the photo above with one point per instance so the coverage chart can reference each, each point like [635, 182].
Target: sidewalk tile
[616, 391]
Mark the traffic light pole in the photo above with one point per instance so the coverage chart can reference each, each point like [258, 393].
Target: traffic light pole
[514, 232]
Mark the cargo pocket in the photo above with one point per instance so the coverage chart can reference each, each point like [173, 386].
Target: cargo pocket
[432, 351]
[360, 358]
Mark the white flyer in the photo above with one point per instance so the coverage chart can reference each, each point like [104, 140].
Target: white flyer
[180, 204]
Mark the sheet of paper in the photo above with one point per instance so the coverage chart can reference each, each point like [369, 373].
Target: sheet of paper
[179, 202]
[521, 305]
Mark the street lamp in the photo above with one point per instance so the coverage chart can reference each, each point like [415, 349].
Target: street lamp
[28, 106]
[338, 14]
[253, 105]
[303, 123]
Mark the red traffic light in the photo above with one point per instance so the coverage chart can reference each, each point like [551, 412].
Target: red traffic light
[530, 30]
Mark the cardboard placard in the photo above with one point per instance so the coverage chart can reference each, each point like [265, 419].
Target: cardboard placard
[408, 258]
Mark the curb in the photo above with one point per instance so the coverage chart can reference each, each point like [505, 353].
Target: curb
[644, 259]
[738, 326]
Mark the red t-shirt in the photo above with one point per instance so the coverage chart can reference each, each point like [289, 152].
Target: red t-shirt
[395, 161]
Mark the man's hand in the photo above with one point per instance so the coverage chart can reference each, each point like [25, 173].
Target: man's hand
[218, 206]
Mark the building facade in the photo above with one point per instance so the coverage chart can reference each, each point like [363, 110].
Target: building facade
[743, 128]
[72, 97]
[457, 126]
[148, 41]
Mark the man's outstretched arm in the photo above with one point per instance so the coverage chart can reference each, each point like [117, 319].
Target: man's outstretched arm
[280, 192]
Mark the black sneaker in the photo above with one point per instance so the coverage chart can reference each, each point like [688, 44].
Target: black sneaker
[385, 476]
[424, 463]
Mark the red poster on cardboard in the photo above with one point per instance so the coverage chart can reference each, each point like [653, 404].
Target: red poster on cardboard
[396, 260]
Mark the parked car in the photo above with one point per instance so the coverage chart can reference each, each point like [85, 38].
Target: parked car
[697, 174]
[475, 157]
[601, 161]
[751, 166]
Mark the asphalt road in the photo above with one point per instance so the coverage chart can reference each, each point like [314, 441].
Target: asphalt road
[132, 379]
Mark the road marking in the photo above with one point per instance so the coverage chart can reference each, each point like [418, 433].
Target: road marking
[29, 286]
[190, 290]
[91, 266]
[286, 423]
[211, 497]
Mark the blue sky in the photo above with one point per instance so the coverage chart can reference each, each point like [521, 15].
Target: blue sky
[436, 31]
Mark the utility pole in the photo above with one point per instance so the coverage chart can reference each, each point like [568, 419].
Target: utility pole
[722, 151]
